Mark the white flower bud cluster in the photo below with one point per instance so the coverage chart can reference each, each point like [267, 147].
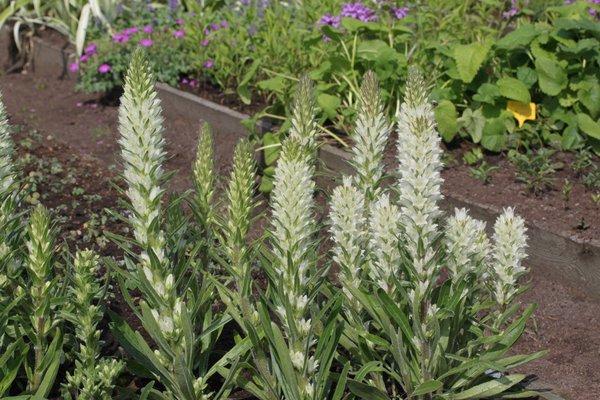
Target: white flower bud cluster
[7, 172]
[142, 149]
[304, 127]
[510, 243]
[468, 246]
[419, 156]
[347, 231]
[371, 133]
[39, 265]
[385, 232]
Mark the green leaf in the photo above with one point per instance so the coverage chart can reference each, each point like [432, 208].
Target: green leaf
[487, 93]
[552, 77]
[275, 84]
[272, 147]
[527, 75]
[376, 50]
[242, 89]
[590, 98]
[514, 89]
[588, 125]
[490, 388]
[473, 122]
[520, 37]
[366, 392]
[329, 104]
[469, 58]
[446, 117]
[494, 134]
[427, 387]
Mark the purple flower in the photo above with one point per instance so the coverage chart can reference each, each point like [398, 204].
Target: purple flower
[358, 11]
[148, 29]
[205, 42]
[209, 64]
[73, 67]
[215, 26]
[131, 31]
[514, 10]
[173, 4]
[104, 69]
[184, 81]
[179, 21]
[146, 42]
[331, 20]
[207, 30]
[84, 58]
[224, 24]
[91, 49]
[178, 34]
[400, 12]
[245, 2]
[120, 37]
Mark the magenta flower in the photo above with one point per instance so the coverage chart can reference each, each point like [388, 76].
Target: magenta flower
[178, 34]
[73, 67]
[205, 42]
[224, 24]
[131, 31]
[214, 26]
[146, 42]
[331, 20]
[104, 68]
[179, 21]
[207, 30]
[120, 37]
[91, 49]
[208, 64]
[358, 11]
[84, 58]
[148, 29]
[400, 12]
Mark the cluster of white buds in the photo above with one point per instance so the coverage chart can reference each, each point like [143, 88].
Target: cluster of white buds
[371, 134]
[93, 378]
[467, 246]
[385, 231]
[347, 231]
[240, 195]
[7, 172]
[510, 242]
[142, 148]
[204, 176]
[419, 157]
[304, 127]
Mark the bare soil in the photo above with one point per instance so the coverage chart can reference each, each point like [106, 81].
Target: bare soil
[84, 132]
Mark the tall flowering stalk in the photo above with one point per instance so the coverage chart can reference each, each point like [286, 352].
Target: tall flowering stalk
[304, 127]
[422, 311]
[93, 377]
[204, 176]
[42, 289]
[174, 309]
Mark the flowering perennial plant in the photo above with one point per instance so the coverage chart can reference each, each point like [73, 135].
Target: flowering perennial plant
[176, 302]
[410, 330]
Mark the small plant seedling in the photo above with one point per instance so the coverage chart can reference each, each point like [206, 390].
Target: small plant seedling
[472, 156]
[583, 160]
[596, 199]
[591, 180]
[566, 192]
[535, 169]
[483, 172]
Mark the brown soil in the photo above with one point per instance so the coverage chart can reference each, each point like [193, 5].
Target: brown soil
[566, 323]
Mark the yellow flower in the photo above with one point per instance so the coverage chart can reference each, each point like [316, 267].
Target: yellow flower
[522, 111]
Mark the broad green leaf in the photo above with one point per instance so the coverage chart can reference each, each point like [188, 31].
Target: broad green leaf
[552, 77]
[446, 117]
[527, 75]
[469, 58]
[489, 389]
[590, 98]
[329, 104]
[427, 387]
[366, 392]
[494, 135]
[487, 93]
[588, 125]
[473, 122]
[376, 50]
[514, 89]
[275, 84]
[520, 37]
